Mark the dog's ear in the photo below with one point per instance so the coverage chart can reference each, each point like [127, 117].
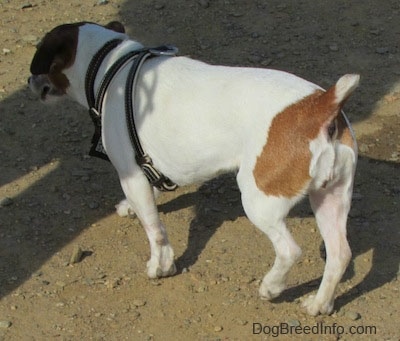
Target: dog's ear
[115, 26]
[56, 51]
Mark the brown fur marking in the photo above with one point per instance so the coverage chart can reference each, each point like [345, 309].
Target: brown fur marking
[57, 52]
[282, 168]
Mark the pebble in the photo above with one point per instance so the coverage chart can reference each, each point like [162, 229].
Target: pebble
[139, 303]
[5, 324]
[6, 201]
[382, 50]
[76, 255]
[159, 6]
[135, 315]
[364, 148]
[93, 205]
[254, 59]
[31, 39]
[334, 47]
[204, 3]
[294, 323]
[352, 315]
[395, 156]
[218, 329]
[6, 51]
[102, 2]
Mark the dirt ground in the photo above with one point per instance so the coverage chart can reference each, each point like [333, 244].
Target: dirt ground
[54, 198]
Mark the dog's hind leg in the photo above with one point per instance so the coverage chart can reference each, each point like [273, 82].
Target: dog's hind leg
[140, 197]
[331, 206]
[268, 213]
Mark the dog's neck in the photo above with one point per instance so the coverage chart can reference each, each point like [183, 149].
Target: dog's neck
[89, 43]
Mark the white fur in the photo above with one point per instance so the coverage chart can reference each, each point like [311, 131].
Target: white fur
[196, 121]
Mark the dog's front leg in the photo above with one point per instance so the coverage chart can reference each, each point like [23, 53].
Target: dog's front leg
[140, 197]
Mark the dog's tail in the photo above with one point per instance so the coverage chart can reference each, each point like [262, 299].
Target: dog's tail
[334, 133]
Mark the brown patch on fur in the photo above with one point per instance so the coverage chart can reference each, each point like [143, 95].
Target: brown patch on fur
[55, 53]
[282, 168]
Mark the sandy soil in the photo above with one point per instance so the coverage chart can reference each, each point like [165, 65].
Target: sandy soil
[54, 198]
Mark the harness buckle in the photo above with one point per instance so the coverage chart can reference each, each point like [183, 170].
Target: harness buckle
[156, 179]
[166, 50]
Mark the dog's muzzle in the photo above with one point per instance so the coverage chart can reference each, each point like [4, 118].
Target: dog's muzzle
[41, 86]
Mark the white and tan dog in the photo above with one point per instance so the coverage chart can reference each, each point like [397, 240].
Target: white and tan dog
[285, 137]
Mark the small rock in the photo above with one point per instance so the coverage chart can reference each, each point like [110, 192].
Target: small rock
[102, 2]
[5, 324]
[61, 284]
[204, 3]
[93, 205]
[6, 51]
[382, 50]
[31, 39]
[27, 5]
[139, 303]
[352, 315]
[241, 322]
[266, 62]
[76, 255]
[375, 31]
[218, 329]
[202, 288]
[135, 315]
[334, 47]
[395, 156]
[159, 6]
[294, 323]
[364, 148]
[254, 59]
[113, 283]
[6, 201]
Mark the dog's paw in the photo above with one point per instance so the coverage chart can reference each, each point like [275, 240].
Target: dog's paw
[269, 291]
[162, 266]
[124, 209]
[314, 307]
[157, 272]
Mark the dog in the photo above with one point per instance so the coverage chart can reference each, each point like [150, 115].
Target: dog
[284, 136]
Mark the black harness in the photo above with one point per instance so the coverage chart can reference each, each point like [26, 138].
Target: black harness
[156, 178]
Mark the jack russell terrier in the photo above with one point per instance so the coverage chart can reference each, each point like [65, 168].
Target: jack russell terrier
[285, 137]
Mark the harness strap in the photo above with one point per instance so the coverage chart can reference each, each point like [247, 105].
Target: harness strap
[94, 67]
[157, 179]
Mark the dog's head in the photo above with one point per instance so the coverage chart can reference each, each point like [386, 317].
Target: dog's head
[55, 53]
